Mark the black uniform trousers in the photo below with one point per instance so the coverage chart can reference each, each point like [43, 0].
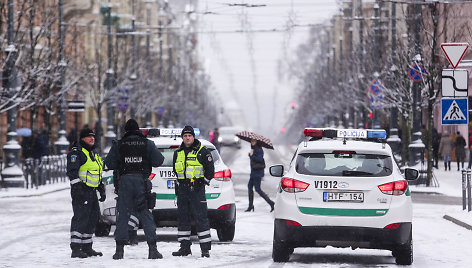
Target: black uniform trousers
[192, 202]
[131, 195]
[86, 214]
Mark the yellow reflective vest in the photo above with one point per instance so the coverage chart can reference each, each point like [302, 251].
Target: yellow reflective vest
[188, 167]
[91, 172]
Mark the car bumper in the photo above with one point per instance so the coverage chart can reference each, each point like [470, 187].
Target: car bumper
[216, 217]
[341, 236]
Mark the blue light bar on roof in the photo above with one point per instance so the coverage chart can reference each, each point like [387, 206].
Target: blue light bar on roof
[376, 134]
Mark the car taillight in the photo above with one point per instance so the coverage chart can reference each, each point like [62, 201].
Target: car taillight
[292, 223]
[224, 206]
[152, 176]
[293, 186]
[224, 175]
[393, 226]
[394, 188]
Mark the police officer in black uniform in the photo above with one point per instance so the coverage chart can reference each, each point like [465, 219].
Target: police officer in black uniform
[194, 167]
[134, 156]
[84, 169]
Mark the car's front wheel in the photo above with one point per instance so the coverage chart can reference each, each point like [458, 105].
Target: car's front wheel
[102, 229]
[404, 253]
[226, 232]
[280, 251]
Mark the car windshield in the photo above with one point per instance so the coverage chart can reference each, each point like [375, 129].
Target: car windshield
[168, 154]
[344, 164]
[228, 131]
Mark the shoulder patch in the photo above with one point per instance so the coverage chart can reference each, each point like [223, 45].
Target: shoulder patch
[73, 158]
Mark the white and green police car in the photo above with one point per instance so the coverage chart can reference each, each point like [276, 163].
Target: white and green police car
[343, 188]
[219, 194]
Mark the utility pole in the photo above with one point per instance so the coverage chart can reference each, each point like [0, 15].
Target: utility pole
[148, 57]
[416, 146]
[361, 122]
[61, 143]
[375, 111]
[110, 84]
[133, 77]
[393, 140]
[12, 175]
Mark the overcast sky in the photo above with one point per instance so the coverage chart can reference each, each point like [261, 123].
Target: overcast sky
[242, 48]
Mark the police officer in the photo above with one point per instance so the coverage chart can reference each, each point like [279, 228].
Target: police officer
[194, 167]
[84, 169]
[134, 156]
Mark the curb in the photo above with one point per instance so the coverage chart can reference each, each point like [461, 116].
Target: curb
[34, 195]
[458, 222]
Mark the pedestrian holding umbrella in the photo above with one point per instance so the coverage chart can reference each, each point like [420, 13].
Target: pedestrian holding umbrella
[256, 155]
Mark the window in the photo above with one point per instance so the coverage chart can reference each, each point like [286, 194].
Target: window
[344, 164]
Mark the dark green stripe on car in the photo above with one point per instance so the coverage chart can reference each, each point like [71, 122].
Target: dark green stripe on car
[343, 212]
[172, 196]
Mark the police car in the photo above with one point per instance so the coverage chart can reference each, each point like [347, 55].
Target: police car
[343, 189]
[219, 194]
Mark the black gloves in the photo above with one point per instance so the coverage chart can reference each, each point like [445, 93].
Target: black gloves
[101, 191]
[77, 189]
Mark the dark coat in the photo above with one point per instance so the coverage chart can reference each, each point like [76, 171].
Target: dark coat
[112, 161]
[40, 147]
[460, 147]
[257, 156]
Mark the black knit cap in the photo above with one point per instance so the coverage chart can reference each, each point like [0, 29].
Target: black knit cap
[131, 125]
[86, 132]
[187, 130]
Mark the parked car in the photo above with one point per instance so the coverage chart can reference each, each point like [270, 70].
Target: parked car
[219, 194]
[343, 189]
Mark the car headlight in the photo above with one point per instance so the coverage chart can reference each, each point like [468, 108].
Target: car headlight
[236, 139]
[220, 139]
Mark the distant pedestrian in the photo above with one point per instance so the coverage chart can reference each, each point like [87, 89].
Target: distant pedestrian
[470, 149]
[436, 141]
[445, 149]
[216, 142]
[256, 155]
[460, 149]
[39, 149]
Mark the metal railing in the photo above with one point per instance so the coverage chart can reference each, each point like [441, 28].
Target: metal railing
[466, 190]
[47, 170]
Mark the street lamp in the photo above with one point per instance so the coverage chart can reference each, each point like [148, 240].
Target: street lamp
[12, 175]
[110, 84]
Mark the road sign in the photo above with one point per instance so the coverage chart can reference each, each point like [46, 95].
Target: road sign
[416, 73]
[454, 52]
[454, 83]
[375, 93]
[454, 111]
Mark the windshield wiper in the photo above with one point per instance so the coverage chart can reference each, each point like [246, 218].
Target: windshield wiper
[355, 173]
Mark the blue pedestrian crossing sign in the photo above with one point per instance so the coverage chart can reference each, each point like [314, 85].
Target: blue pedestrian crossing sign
[454, 111]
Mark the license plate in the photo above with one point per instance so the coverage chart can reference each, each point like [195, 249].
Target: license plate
[343, 196]
[171, 184]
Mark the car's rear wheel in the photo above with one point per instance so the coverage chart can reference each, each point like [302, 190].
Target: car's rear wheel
[404, 253]
[280, 251]
[226, 232]
[102, 229]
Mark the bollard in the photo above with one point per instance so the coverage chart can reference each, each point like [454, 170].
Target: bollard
[468, 189]
[464, 190]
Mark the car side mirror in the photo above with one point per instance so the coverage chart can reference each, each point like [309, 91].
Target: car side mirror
[277, 170]
[411, 174]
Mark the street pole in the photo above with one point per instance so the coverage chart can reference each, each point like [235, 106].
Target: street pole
[12, 175]
[110, 83]
[416, 146]
[149, 66]
[393, 140]
[61, 143]
[133, 76]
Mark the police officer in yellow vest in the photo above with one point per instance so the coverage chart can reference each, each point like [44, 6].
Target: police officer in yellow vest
[194, 167]
[84, 169]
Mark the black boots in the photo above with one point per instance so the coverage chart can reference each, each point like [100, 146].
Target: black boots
[267, 199]
[78, 253]
[120, 251]
[183, 251]
[251, 201]
[153, 253]
[87, 249]
[205, 254]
